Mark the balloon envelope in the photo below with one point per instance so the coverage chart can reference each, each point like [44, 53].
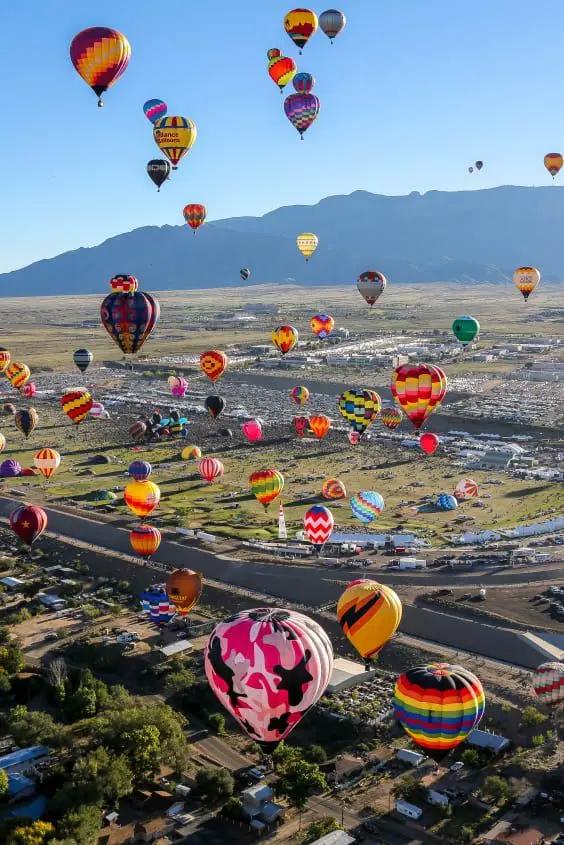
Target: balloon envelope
[369, 614]
[129, 318]
[429, 443]
[214, 406]
[548, 683]
[142, 497]
[322, 325]
[26, 420]
[76, 404]
[367, 506]
[158, 171]
[154, 109]
[175, 136]
[145, 539]
[465, 329]
[100, 56]
[526, 279]
[83, 358]
[300, 394]
[359, 408]
[333, 488]
[194, 215]
[300, 24]
[301, 110]
[266, 485]
[285, 338]
[371, 285]
[418, 389]
[28, 522]
[282, 70]
[210, 469]
[332, 22]
[213, 363]
[318, 524]
[252, 430]
[47, 462]
[184, 588]
[553, 163]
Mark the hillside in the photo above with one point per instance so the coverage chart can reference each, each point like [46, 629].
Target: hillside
[466, 236]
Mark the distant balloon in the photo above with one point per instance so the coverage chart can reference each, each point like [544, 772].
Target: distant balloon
[83, 358]
[129, 318]
[213, 363]
[332, 22]
[266, 485]
[301, 110]
[178, 386]
[26, 420]
[466, 329]
[273, 53]
[282, 70]
[301, 425]
[285, 338]
[184, 588]
[418, 389]
[303, 83]
[76, 404]
[322, 325]
[8, 408]
[191, 453]
[300, 394]
[466, 488]
[446, 502]
[47, 462]
[154, 109]
[478, 165]
[194, 214]
[245, 274]
[319, 424]
[140, 470]
[525, 279]
[359, 408]
[175, 136]
[137, 430]
[28, 522]
[252, 430]
[369, 614]
[17, 374]
[318, 524]
[142, 497]
[156, 604]
[214, 406]
[553, 163]
[29, 390]
[371, 285]
[100, 56]
[470, 169]
[300, 24]
[145, 539]
[2, 442]
[429, 443]
[354, 437]
[124, 283]
[333, 489]
[158, 171]
[5, 358]
[10, 469]
[391, 417]
[548, 683]
[210, 469]
[307, 244]
[367, 506]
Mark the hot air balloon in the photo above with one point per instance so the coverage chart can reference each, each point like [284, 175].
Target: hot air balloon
[140, 470]
[371, 285]
[429, 443]
[266, 485]
[184, 588]
[129, 318]
[354, 438]
[175, 136]
[245, 274]
[332, 22]
[322, 325]
[252, 430]
[553, 163]
[333, 489]
[466, 329]
[391, 417]
[137, 430]
[303, 83]
[2, 442]
[446, 502]
[301, 425]
[8, 408]
[29, 390]
[213, 363]
[478, 165]
[285, 338]
[282, 70]
[123, 283]
[369, 614]
[76, 404]
[157, 605]
[548, 683]
[194, 214]
[5, 358]
[178, 386]
[142, 497]
[359, 408]
[158, 171]
[438, 387]
[210, 469]
[466, 488]
[17, 374]
[214, 406]
[273, 53]
[470, 169]
[191, 453]
[28, 522]
[300, 394]
[525, 279]
[100, 56]
[47, 462]
[156, 418]
[268, 667]
[301, 110]
[26, 420]
[319, 424]
[300, 24]
[438, 705]
[154, 110]
[318, 524]
[10, 469]
[367, 506]
[83, 358]
[417, 388]
[145, 539]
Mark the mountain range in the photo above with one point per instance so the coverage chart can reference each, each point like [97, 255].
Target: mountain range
[463, 236]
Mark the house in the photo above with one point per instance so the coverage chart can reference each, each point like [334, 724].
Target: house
[153, 829]
[485, 739]
[24, 761]
[404, 808]
[345, 767]
[50, 601]
[413, 758]
[505, 833]
[348, 673]
[336, 837]
[438, 799]
[12, 584]
[493, 460]
[259, 807]
[179, 647]
[19, 787]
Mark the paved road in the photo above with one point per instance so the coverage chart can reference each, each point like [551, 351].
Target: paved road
[315, 586]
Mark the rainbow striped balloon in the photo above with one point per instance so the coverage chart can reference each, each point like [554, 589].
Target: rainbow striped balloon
[266, 485]
[438, 705]
[367, 506]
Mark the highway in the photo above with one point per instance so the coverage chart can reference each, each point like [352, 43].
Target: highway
[313, 587]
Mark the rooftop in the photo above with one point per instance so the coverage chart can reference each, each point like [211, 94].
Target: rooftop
[336, 837]
[23, 755]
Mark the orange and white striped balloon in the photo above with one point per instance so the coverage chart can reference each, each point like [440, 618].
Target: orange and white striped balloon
[47, 461]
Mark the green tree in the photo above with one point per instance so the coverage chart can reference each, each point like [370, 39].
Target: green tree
[81, 825]
[179, 682]
[315, 754]
[33, 728]
[215, 783]
[35, 833]
[81, 704]
[216, 721]
[116, 724]
[5, 685]
[409, 788]
[11, 658]
[319, 828]
[496, 788]
[531, 717]
[471, 758]
[97, 778]
[538, 740]
[285, 754]
[142, 747]
[3, 783]
[466, 833]
[233, 808]
[298, 781]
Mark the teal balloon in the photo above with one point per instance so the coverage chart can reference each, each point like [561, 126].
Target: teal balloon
[466, 329]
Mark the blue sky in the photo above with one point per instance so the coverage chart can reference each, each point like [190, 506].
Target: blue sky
[411, 94]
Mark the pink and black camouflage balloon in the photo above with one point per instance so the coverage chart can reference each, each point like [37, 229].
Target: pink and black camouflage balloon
[268, 668]
[301, 110]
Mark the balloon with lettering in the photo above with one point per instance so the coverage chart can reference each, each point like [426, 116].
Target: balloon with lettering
[184, 588]
[307, 243]
[158, 171]
[175, 136]
[526, 279]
